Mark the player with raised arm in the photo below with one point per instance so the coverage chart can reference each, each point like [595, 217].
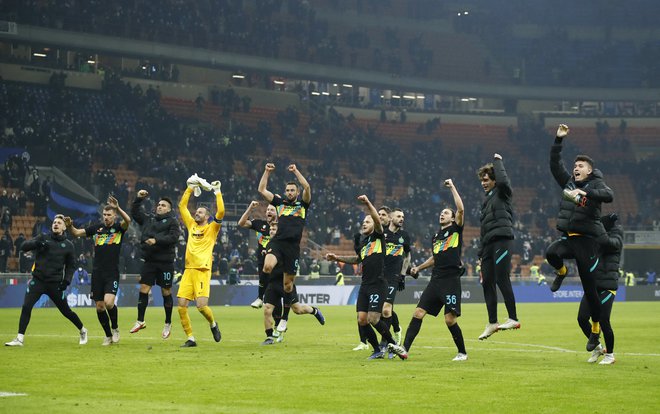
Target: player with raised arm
[384, 217]
[273, 298]
[370, 251]
[397, 262]
[52, 273]
[263, 229]
[196, 281]
[579, 221]
[284, 248]
[107, 236]
[444, 289]
[496, 244]
[160, 234]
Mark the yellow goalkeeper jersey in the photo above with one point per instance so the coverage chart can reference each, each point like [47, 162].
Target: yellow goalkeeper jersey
[201, 238]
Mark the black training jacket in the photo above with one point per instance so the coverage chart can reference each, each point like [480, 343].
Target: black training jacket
[54, 260]
[608, 276]
[582, 218]
[497, 209]
[164, 228]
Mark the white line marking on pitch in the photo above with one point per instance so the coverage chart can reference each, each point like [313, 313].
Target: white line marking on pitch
[545, 347]
[11, 394]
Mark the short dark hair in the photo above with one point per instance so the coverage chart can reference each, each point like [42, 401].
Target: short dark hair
[108, 207]
[387, 209]
[167, 200]
[486, 170]
[291, 183]
[586, 159]
[397, 209]
[208, 210]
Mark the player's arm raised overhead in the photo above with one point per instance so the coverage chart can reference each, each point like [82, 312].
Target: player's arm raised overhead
[244, 221]
[460, 210]
[136, 208]
[501, 178]
[125, 218]
[219, 202]
[307, 189]
[378, 228]
[263, 183]
[186, 217]
[557, 167]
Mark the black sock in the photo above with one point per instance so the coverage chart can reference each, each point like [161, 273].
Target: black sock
[369, 333]
[384, 331]
[105, 322]
[387, 321]
[285, 312]
[262, 290]
[143, 301]
[457, 334]
[395, 322]
[112, 313]
[168, 303]
[363, 338]
[413, 329]
[269, 333]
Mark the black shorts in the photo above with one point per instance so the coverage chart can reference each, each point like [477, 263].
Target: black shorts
[371, 297]
[274, 293]
[392, 288]
[103, 283]
[160, 274]
[287, 253]
[442, 292]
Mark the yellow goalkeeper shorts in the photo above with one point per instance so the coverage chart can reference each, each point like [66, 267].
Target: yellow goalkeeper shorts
[195, 283]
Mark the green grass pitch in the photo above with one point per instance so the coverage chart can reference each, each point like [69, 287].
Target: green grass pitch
[540, 368]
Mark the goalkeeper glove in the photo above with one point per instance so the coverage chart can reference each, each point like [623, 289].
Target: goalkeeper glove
[193, 183]
[215, 185]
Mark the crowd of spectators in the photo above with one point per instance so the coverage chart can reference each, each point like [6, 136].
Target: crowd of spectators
[322, 32]
[90, 134]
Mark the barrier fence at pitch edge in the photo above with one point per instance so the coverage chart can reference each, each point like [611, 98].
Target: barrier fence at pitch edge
[11, 296]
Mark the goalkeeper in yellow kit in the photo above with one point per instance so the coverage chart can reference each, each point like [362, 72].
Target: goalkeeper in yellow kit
[195, 283]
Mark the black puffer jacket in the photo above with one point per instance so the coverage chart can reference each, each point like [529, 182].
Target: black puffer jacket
[497, 209]
[55, 258]
[583, 218]
[608, 275]
[164, 228]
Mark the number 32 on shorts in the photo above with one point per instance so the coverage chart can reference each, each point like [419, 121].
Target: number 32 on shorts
[374, 298]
